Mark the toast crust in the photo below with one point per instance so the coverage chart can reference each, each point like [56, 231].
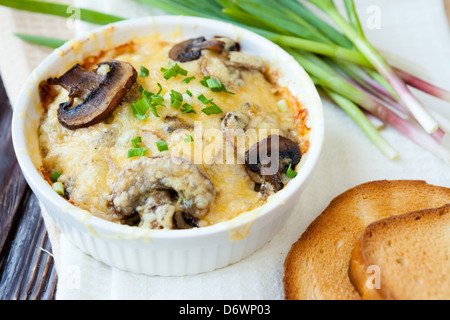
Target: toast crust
[359, 276]
[386, 239]
[316, 267]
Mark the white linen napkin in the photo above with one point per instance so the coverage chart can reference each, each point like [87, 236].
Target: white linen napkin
[415, 30]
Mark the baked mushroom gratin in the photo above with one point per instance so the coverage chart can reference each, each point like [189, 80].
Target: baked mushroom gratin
[170, 134]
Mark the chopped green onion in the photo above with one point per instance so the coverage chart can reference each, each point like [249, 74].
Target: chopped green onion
[173, 71]
[144, 71]
[136, 141]
[180, 70]
[162, 146]
[213, 109]
[140, 107]
[169, 73]
[157, 100]
[59, 188]
[187, 108]
[189, 93]
[137, 152]
[160, 88]
[176, 99]
[189, 138]
[204, 81]
[215, 85]
[55, 176]
[189, 79]
[291, 173]
[148, 101]
[204, 100]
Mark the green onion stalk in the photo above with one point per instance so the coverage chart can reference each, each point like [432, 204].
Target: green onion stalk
[342, 62]
[422, 115]
[363, 122]
[326, 77]
[60, 10]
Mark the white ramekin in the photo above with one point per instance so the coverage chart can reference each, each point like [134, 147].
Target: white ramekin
[165, 253]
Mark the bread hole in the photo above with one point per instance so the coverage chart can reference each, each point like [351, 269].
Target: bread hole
[418, 280]
[389, 243]
[401, 261]
[418, 218]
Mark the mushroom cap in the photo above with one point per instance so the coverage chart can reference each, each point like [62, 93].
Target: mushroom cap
[269, 158]
[101, 94]
[191, 49]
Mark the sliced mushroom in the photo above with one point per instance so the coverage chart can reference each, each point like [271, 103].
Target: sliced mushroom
[234, 127]
[235, 120]
[215, 65]
[191, 49]
[174, 123]
[93, 96]
[230, 44]
[244, 129]
[242, 60]
[164, 192]
[268, 159]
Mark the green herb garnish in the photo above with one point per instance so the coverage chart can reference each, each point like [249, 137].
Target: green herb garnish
[213, 109]
[187, 108]
[189, 79]
[140, 107]
[215, 85]
[55, 176]
[144, 71]
[291, 173]
[173, 71]
[160, 88]
[162, 146]
[204, 100]
[137, 152]
[136, 142]
[59, 188]
[189, 138]
[176, 99]
[148, 101]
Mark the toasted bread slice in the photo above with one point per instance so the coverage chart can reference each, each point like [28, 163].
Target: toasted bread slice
[317, 265]
[411, 254]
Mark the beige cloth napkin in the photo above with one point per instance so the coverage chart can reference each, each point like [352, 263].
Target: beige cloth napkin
[415, 30]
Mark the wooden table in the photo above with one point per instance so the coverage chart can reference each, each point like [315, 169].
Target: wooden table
[27, 270]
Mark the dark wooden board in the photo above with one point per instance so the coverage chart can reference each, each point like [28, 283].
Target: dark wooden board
[27, 269]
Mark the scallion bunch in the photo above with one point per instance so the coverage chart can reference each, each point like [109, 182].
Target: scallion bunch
[341, 62]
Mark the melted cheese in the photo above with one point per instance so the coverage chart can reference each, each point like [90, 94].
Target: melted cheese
[91, 159]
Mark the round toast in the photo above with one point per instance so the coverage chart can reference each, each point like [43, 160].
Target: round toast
[316, 267]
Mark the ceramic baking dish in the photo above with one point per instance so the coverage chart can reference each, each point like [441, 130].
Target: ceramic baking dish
[174, 252]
